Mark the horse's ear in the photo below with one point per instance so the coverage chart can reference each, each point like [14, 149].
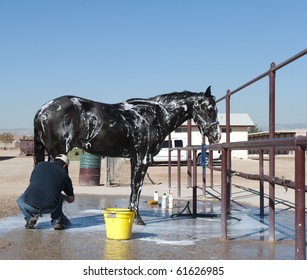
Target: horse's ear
[208, 92]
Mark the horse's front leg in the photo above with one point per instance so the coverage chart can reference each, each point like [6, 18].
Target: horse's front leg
[138, 171]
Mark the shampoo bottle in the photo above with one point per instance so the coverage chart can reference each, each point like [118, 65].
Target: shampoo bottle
[163, 204]
[156, 196]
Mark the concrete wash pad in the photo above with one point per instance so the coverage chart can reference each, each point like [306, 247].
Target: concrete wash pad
[163, 237]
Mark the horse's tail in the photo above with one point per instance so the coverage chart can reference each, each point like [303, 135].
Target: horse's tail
[39, 148]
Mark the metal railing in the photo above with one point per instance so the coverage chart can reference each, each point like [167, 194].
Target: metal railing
[298, 144]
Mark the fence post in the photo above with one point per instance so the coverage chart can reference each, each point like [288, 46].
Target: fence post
[261, 184]
[194, 215]
[300, 226]
[178, 173]
[224, 205]
[203, 166]
[272, 152]
[228, 189]
[107, 181]
[189, 160]
[169, 162]
[228, 141]
[211, 169]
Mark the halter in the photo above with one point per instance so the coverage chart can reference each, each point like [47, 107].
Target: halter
[213, 124]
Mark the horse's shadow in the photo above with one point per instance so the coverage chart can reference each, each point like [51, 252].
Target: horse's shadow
[77, 222]
[86, 221]
[6, 157]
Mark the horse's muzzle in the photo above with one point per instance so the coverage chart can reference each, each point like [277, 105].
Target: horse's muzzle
[215, 133]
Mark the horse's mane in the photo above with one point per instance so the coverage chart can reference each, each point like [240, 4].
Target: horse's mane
[163, 98]
[169, 97]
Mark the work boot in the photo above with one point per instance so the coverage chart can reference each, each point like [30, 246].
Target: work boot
[60, 223]
[31, 222]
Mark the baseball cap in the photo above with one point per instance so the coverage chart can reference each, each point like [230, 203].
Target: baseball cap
[63, 158]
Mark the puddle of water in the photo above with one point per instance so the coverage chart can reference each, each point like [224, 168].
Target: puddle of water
[161, 238]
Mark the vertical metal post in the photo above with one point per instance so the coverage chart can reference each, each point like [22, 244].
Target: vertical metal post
[194, 184]
[211, 169]
[224, 195]
[107, 179]
[228, 150]
[272, 153]
[189, 177]
[261, 184]
[228, 116]
[169, 162]
[203, 157]
[300, 226]
[178, 173]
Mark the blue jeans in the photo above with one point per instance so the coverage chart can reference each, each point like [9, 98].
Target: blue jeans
[29, 211]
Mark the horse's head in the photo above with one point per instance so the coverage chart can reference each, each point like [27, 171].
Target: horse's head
[205, 116]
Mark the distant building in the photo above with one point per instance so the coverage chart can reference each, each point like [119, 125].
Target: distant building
[278, 134]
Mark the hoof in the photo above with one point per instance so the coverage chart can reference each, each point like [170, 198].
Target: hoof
[138, 221]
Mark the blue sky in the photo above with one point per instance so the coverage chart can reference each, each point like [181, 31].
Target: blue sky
[113, 50]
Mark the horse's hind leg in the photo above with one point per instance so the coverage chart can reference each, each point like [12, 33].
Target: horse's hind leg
[55, 143]
[138, 171]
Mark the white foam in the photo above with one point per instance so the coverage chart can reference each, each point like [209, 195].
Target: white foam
[158, 241]
[92, 211]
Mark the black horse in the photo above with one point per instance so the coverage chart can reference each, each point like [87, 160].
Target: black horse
[132, 129]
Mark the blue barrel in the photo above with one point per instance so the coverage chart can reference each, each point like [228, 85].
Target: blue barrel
[89, 170]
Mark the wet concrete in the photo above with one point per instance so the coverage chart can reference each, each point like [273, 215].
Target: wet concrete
[163, 237]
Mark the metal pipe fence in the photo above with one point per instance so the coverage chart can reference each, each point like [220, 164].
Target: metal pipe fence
[298, 144]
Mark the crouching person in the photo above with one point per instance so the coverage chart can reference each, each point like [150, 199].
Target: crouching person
[50, 186]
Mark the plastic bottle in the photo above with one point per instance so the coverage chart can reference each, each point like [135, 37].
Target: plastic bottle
[156, 196]
[170, 201]
[163, 204]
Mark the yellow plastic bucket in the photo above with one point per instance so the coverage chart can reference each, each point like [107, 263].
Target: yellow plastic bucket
[118, 222]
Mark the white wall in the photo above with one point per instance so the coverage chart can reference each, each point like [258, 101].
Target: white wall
[237, 134]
